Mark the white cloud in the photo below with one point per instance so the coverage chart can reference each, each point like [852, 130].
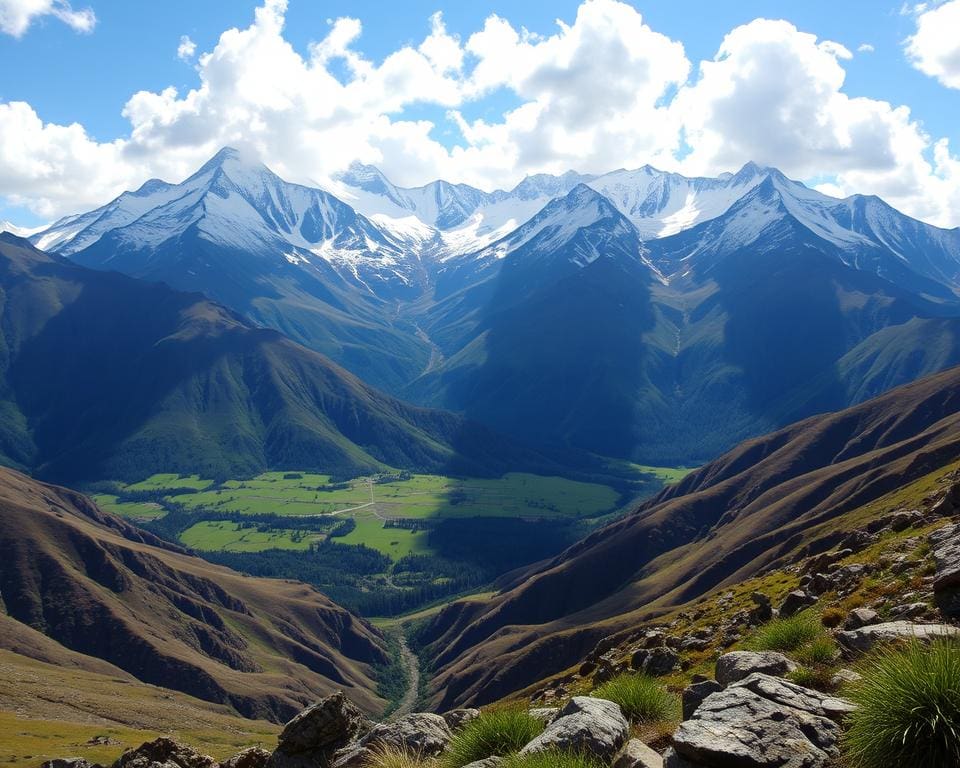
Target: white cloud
[16, 16]
[865, 48]
[603, 91]
[775, 95]
[186, 49]
[934, 48]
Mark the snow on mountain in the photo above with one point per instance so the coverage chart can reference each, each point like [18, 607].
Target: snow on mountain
[6, 226]
[237, 203]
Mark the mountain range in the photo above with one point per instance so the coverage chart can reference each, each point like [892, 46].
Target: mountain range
[636, 314]
[105, 376]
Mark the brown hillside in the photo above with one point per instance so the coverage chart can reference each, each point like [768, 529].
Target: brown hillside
[722, 524]
[102, 588]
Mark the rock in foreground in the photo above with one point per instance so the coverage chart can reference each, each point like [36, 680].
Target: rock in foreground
[585, 724]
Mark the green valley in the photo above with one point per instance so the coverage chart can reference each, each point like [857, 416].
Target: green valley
[380, 543]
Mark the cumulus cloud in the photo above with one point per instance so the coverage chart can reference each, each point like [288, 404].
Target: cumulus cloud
[865, 48]
[602, 91]
[16, 16]
[774, 94]
[186, 49]
[934, 48]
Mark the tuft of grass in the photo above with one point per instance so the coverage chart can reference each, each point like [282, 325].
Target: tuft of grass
[816, 678]
[820, 651]
[641, 697]
[787, 634]
[553, 760]
[392, 757]
[498, 732]
[832, 617]
[908, 708]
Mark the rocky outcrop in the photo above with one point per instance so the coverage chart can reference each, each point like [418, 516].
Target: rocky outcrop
[860, 617]
[857, 641]
[164, 753]
[457, 718]
[737, 665]
[420, 733]
[312, 737]
[695, 693]
[795, 602]
[945, 544]
[585, 724]
[760, 722]
[254, 757]
[636, 754]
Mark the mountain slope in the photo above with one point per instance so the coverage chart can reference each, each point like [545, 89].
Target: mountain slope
[105, 376]
[666, 317]
[721, 524]
[97, 586]
[286, 256]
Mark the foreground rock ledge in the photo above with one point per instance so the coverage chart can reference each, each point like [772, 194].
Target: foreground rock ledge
[760, 722]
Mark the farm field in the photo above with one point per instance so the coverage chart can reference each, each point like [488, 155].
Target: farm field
[422, 496]
[135, 510]
[213, 535]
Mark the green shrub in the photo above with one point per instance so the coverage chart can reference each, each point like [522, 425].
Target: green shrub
[641, 697]
[553, 760]
[908, 708]
[496, 732]
[819, 651]
[787, 634]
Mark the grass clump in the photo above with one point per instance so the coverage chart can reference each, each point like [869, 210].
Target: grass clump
[787, 634]
[553, 760]
[498, 732]
[908, 708]
[817, 678]
[641, 697]
[832, 617]
[820, 651]
[392, 757]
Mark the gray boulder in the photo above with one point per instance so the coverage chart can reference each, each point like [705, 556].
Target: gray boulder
[164, 752]
[795, 602]
[737, 665]
[254, 757]
[490, 762]
[421, 733]
[585, 724]
[457, 718]
[760, 722]
[860, 617]
[636, 754]
[313, 736]
[945, 544]
[695, 693]
[545, 714]
[660, 661]
[69, 762]
[861, 640]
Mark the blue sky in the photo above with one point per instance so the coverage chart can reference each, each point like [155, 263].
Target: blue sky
[70, 77]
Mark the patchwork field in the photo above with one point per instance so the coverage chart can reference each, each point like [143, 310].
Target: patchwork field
[381, 544]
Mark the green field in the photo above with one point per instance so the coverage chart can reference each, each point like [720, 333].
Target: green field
[395, 542]
[215, 535]
[668, 475]
[370, 501]
[135, 510]
[169, 481]
[422, 496]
